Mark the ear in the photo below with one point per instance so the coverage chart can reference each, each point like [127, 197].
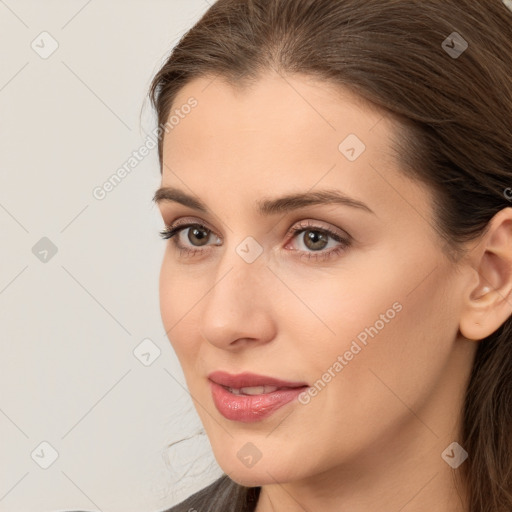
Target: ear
[488, 298]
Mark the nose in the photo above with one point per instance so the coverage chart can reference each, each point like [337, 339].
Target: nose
[238, 308]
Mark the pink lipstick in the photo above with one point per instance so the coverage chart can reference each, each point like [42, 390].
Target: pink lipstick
[248, 397]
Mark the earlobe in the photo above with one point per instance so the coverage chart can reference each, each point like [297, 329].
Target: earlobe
[488, 300]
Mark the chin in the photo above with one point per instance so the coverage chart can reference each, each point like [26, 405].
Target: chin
[267, 471]
[253, 477]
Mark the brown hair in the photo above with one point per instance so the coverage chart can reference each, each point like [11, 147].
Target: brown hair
[455, 115]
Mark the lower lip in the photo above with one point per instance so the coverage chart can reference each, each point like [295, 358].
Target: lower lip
[251, 408]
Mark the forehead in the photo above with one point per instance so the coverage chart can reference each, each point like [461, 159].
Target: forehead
[283, 134]
[290, 120]
[275, 103]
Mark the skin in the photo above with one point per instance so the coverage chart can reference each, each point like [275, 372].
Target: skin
[372, 439]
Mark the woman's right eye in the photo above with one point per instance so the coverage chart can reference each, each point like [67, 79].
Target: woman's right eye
[170, 231]
[198, 231]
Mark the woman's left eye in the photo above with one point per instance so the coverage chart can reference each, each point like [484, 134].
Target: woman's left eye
[315, 241]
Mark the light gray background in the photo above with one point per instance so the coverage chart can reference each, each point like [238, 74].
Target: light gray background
[70, 325]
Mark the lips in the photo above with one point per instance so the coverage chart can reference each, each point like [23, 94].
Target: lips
[251, 380]
[248, 404]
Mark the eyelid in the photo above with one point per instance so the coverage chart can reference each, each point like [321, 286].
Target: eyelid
[317, 225]
[186, 221]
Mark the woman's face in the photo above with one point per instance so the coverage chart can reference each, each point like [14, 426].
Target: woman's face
[371, 323]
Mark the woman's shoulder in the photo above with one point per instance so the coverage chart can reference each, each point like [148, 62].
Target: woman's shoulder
[204, 497]
[222, 495]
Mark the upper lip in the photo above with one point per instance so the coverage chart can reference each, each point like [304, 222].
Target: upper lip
[247, 380]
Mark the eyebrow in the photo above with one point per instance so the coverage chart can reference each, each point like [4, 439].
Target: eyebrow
[267, 206]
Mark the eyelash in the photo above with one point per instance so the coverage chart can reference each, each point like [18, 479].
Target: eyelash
[323, 255]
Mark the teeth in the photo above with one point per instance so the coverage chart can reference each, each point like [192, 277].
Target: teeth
[256, 390]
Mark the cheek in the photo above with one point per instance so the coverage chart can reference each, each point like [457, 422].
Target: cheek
[177, 298]
[394, 330]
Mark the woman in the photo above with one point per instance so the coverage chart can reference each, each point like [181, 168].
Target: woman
[336, 187]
